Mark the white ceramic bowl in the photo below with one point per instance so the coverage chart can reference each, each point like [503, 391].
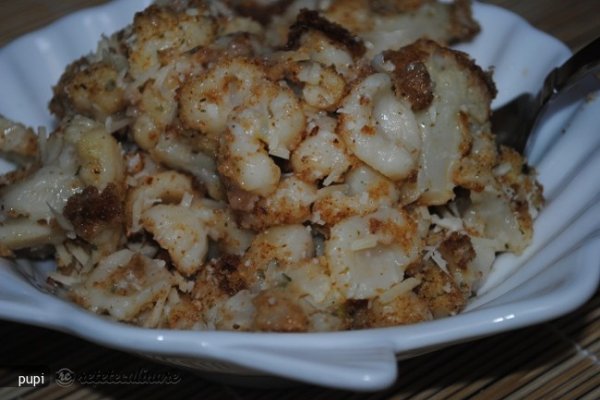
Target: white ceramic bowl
[556, 274]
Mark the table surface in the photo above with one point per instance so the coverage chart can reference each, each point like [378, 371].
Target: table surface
[557, 359]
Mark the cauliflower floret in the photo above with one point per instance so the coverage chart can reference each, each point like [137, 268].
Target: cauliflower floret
[236, 313]
[124, 285]
[380, 128]
[100, 155]
[223, 228]
[322, 87]
[273, 117]
[235, 104]
[163, 187]
[207, 101]
[17, 142]
[167, 205]
[314, 38]
[382, 24]
[289, 204]
[322, 155]
[398, 23]
[363, 192]
[155, 110]
[94, 89]
[159, 33]
[80, 154]
[404, 308]
[368, 255]
[491, 215]
[279, 312]
[281, 244]
[181, 232]
[451, 98]
[220, 295]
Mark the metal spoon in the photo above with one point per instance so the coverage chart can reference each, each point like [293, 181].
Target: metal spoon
[514, 122]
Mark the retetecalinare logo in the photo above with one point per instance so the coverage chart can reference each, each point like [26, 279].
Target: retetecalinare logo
[64, 377]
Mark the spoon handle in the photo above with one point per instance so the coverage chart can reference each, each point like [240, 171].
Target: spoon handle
[584, 61]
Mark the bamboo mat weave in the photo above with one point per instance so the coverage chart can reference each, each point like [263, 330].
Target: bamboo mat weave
[559, 359]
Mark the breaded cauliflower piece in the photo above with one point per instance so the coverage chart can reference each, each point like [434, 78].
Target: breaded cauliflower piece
[262, 165]
[80, 156]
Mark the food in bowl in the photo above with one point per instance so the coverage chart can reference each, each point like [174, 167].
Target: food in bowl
[329, 167]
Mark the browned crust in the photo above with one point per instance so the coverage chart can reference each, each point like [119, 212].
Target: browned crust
[88, 89]
[91, 210]
[310, 19]
[60, 103]
[439, 290]
[411, 78]
[184, 314]
[276, 312]
[226, 273]
[462, 24]
[287, 211]
[396, 6]
[402, 235]
[239, 199]
[260, 13]
[458, 251]
[356, 313]
[430, 47]
[407, 308]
